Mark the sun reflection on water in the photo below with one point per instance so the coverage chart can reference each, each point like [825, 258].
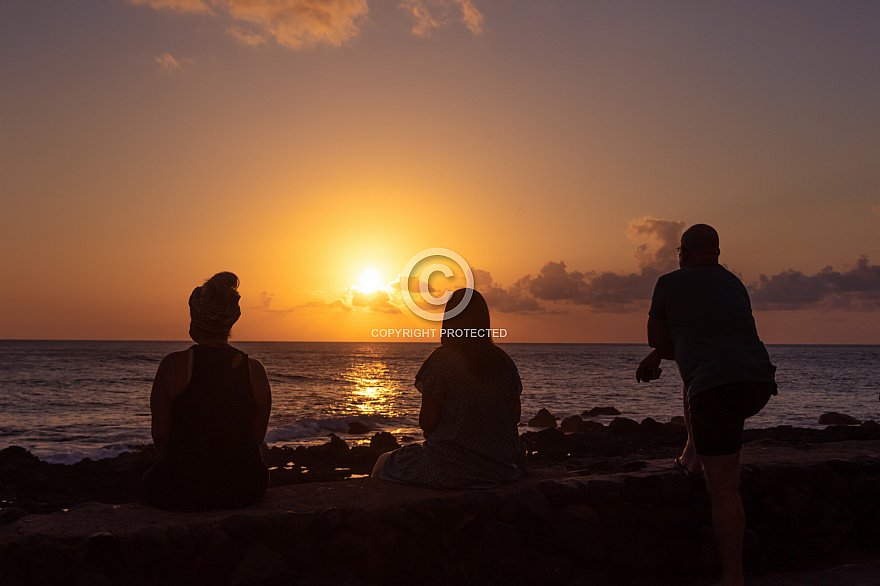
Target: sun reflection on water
[371, 392]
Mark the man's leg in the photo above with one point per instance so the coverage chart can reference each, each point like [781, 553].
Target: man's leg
[689, 458]
[728, 518]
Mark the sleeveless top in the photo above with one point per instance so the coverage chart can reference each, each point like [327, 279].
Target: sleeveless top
[212, 420]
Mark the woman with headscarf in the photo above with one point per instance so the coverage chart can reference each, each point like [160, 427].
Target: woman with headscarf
[210, 408]
[470, 408]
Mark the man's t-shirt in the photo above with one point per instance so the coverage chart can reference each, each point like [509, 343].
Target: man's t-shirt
[709, 316]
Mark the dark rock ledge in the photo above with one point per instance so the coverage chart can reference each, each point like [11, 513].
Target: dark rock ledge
[575, 522]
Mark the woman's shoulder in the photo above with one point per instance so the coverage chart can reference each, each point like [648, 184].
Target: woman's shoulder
[176, 360]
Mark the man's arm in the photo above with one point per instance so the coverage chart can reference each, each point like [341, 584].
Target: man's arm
[660, 339]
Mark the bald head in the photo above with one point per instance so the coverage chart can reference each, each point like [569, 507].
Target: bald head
[699, 245]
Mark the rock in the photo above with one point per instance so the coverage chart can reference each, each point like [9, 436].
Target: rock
[244, 526]
[581, 532]
[559, 492]
[650, 426]
[598, 411]
[543, 419]
[677, 420]
[500, 553]
[103, 550]
[571, 424]
[9, 515]
[17, 456]
[833, 418]
[623, 426]
[336, 444]
[871, 426]
[383, 442]
[550, 439]
[259, 564]
[358, 427]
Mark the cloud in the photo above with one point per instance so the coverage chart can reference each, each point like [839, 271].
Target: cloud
[291, 23]
[663, 236]
[176, 5]
[609, 291]
[297, 23]
[431, 14]
[247, 37]
[168, 63]
[857, 289]
[515, 299]
[378, 300]
[335, 304]
[554, 287]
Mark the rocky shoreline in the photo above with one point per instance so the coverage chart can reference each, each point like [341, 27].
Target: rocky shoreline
[29, 485]
[601, 506]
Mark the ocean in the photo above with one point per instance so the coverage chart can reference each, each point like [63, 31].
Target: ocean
[68, 400]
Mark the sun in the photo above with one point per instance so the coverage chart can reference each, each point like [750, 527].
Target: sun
[370, 281]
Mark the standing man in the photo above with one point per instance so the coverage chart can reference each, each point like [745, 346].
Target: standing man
[701, 317]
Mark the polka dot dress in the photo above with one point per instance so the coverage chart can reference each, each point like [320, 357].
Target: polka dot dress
[476, 442]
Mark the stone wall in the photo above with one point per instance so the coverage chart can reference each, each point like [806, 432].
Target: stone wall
[633, 528]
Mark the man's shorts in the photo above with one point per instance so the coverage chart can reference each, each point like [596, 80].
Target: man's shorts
[718, 415]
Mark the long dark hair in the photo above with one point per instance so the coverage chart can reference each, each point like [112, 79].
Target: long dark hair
[470, 333]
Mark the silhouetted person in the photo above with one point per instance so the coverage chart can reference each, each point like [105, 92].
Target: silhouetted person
[701, 317]
[470, 409]
[210, 406]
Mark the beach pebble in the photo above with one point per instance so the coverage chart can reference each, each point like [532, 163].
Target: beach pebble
[833, 418]
[543, 419]
[597, 411]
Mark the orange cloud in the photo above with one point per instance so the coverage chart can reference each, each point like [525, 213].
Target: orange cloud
[291, 23]
[431, 14]
[298, 23]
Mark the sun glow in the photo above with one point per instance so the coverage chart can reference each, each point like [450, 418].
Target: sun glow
[370, 281]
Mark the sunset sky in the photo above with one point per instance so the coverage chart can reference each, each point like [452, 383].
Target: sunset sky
[560, 147]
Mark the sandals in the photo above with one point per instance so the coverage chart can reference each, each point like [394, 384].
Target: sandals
[676, 464]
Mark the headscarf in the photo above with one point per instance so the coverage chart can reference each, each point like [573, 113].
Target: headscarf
[213, 313]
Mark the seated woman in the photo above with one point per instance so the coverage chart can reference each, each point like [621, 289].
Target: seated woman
[210, 406]
[470, 409]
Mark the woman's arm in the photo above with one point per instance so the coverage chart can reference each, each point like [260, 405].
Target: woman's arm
[171, 379]
[429, 415]
[160, 401]
[263, 396]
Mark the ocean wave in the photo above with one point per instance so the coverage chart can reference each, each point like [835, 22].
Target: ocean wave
[314, 428]
[74, 455]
